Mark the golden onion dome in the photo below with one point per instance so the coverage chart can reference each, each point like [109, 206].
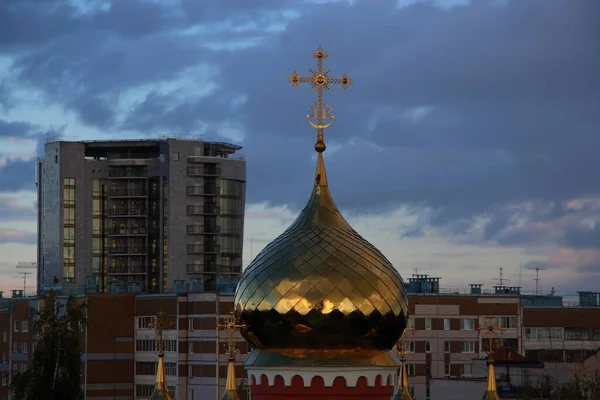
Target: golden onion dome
[320, 285]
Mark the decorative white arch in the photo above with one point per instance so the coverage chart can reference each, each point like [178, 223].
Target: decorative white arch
[350, 375]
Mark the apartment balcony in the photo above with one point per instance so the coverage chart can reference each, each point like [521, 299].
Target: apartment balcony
[127, 174]
[211, 190]
[128, 231]
[127, 270]
[127, 193]
[205, 170]
[207, 248]
[208, 209]
[128, 212]
[128, 250]
[202, 269]
[203, 229]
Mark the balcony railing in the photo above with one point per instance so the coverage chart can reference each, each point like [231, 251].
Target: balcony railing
[208, 209]
[205, 248]
[128, 193]
[128, 250]
[127, 270]
[128, 231]
[203, 229]
[135, 173]
[205, 170]
[202, 268]
[125, 212]
[211, 190]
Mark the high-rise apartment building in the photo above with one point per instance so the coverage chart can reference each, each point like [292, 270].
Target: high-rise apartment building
[141, 215]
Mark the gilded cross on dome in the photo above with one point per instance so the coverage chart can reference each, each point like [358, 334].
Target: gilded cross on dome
[490, 328]
[231, 327]
[160, 324]
[319, 80]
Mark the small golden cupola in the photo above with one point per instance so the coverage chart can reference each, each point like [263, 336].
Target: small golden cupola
[231, 390]
[320, 289]
[403, 391]
[491, 391]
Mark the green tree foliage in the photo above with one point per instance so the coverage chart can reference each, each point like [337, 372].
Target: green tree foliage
[56, 370]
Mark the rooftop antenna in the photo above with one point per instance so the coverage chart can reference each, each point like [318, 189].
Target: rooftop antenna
[537, 278]
[502, 278]
[26, 264]
[24, 279]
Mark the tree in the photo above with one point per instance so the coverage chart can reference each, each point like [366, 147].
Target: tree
[579, 388]
[56, 370]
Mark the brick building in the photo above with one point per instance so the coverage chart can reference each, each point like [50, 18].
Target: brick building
[446, 342]
[120, 345]
[120, 356]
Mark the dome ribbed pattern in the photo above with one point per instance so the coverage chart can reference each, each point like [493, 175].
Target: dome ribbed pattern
[320, 285]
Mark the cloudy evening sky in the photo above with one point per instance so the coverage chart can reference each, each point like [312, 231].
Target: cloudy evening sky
[468, 142]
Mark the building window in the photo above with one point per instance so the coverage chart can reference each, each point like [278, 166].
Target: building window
[69, 230]
[190, 324]
[150, 345]
[4, 335]
[544, 333]
[146, 322]
[428, 394]
[466, 369]
[467, 324]
[143, 391]
[4, 358]
[446, 347]
[428, 370]
[410, 346]
[506, 322]
[427, 347]
[468, 347]
[428, 324]
[23, 367]
[176, 156]
[15, 347]
[4, 380]
[171, 368]
[411, 389]
[446, 369]
[16, 326]
[410, 369]
[24, 347]
[25, 326]
[411, 323]
[446, 324]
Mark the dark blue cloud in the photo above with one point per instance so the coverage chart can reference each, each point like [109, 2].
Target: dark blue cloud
[510, 91]
[17, 174]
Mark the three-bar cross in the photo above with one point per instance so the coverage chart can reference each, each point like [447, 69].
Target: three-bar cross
[401, 346]
[490, 328]
[231, 327]
[160, 325]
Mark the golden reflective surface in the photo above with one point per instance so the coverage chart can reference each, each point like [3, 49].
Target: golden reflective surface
[321, 358]
[320, 285]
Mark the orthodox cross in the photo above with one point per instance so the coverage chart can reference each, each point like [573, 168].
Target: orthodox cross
[160, 324]
[319, 81]
[401, 346]
[490, 328]
[231, 327]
